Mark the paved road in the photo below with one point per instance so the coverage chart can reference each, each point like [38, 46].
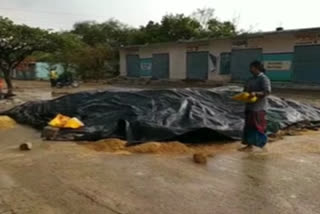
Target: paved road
[67, 178]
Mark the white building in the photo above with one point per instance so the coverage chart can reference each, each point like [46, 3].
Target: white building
[288, 55]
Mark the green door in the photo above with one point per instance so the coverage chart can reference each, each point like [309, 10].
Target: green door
[240, 62]
[160, 64]
[197, 65]
[225, 63]
[133, 66]
[306, 64]
[146, 67]
[278, 66]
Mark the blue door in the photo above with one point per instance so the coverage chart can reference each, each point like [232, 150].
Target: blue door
[161, 65]
[197, 65]
[306, 64]
[240, 62]
[133, 66]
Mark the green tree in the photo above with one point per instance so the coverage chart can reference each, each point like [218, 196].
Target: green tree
[203, 16]
[68, 45]
[217, 29]
[109, 35]
[94, 62]
[201, 24]
[212, 27]
[171, 28]
[176, 27]
[111, 32]
[17, 42]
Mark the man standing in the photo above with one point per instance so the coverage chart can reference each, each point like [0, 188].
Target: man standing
[53, 77]
[255, 113]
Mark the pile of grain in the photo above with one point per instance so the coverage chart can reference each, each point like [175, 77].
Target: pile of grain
[160, 148]
[117, 146]
[6, 122]
[108, 145]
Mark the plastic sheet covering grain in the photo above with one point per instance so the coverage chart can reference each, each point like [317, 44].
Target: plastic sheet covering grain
[188, 115]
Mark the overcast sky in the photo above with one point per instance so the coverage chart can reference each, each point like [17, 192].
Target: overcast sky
[259, 15]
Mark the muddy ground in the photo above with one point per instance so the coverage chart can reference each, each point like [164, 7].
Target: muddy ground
[69, 178]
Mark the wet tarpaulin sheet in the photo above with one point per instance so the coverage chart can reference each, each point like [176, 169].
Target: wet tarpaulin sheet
[159, 115]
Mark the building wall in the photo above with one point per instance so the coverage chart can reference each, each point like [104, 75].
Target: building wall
[274, 43]
[178, 63]
[36, 71]
[178, 55]
[123, 59]
[42, 70]
[273, 46]
[123, 63]
[216, 48]
[177, 58]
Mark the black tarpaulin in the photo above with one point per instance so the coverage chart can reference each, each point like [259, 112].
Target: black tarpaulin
[159, 115]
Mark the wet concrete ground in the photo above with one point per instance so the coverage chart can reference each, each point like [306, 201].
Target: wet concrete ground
[67, 178]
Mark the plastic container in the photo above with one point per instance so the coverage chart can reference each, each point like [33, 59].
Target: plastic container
[245, 97]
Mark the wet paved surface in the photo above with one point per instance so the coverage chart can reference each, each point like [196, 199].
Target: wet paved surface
[67, 178]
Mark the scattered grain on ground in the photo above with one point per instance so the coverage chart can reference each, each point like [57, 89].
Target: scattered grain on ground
[119, 147]
[160, 148]
[6, 122]
[107, 145]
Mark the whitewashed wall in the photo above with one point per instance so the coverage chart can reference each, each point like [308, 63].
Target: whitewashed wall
[274, 43]
[216, 48]
[178, 53]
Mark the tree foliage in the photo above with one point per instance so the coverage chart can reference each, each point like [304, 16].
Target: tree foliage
[111, 32]
[203, 15]
[92, 48]
[94, 62]
[69, 46]
[171, 28]
[201, 24]
[17, 42]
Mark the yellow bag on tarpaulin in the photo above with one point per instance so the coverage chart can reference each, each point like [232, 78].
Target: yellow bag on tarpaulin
[59, 121]
[245, 97]
[73, 123]
[62, 121]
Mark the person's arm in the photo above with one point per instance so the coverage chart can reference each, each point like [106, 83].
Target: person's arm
[266, 88]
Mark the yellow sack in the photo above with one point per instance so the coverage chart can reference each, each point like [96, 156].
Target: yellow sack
[73, 123]
[245, 97]
[59, 121]
[62, 121]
